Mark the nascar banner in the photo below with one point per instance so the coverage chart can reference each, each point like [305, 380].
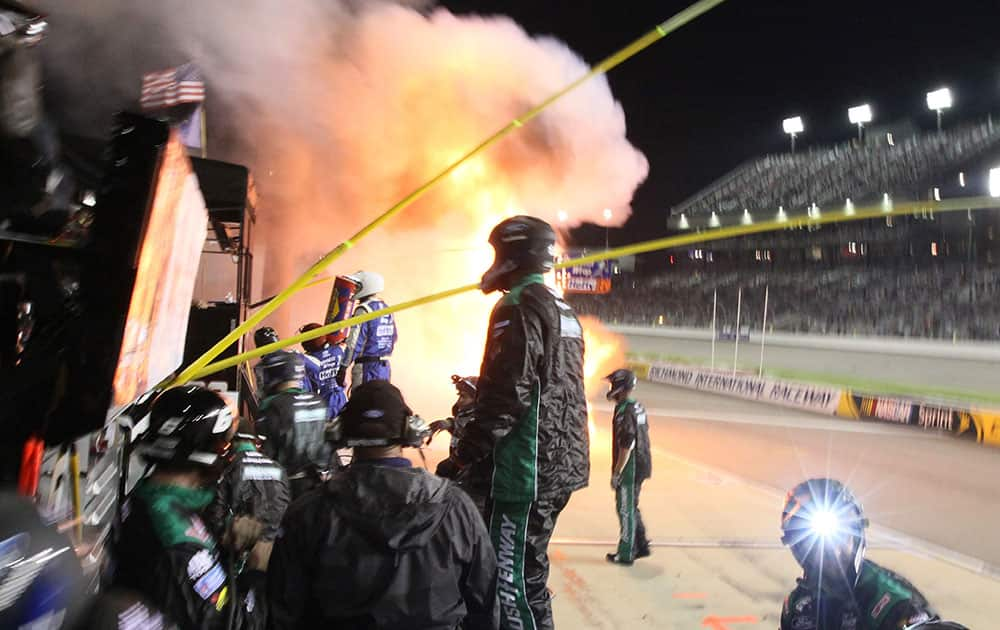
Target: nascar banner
[816, 398]
[981, 425]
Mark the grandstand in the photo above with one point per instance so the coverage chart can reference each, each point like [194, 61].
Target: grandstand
[949, 301]
[907, 167]
[921, 276]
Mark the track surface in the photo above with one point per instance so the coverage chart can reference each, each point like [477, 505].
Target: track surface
[712, 509]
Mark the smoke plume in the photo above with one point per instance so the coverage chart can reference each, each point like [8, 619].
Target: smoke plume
[342, 108]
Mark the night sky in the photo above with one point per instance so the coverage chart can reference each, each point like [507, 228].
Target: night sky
[713, 94]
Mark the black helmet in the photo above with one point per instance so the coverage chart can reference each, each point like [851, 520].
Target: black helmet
[521, 245]
[265, 336]
[824, 526]
[620, 380]
[282, 367]
[188, 425]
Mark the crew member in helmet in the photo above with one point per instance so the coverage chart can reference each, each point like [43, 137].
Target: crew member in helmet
[250, 500]
[291, 420]
[631, 464]
[461, 414]
[461, 411]
[263, 337]
[528, 438]
[369, 345]
[165, 552]
[323, 361]
[823, 525]
[382, 544]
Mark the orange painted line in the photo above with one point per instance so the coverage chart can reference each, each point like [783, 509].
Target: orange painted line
[690, 595]
[721, 623]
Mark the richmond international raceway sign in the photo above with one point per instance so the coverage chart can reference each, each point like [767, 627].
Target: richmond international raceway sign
[799, 395]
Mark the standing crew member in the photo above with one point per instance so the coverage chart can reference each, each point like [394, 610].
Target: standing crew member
[528, 441]
[631, 464]
[264, 337]
[291, 421]
[462, 413]
[323, 361]
[369, 345]
[382, 544]
[250, 500]
[164, 551]
[824, 526]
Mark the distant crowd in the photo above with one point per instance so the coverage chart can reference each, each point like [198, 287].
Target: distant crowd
[951, 301]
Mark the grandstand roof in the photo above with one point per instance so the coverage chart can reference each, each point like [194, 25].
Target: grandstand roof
[905, 167]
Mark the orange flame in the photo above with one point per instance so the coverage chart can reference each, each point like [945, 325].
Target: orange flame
[605, 352]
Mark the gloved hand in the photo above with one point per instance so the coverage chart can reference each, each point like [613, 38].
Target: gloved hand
[243, 532]
[616, 481]
[440, 425]
[342, 376]
[448, 469]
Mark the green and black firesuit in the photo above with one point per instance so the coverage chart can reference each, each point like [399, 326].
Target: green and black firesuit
[881, 600]
[630, 437]
[528, 440]
[167, 554]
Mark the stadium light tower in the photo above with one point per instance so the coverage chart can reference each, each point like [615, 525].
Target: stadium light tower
[938, 101]
[793, 127]
[859, 116]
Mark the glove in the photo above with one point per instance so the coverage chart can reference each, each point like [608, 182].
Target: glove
[448, 469]
[439, 425]
[616, 481]
[342, 376]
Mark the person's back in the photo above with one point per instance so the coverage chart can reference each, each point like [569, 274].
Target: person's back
[291, 422]
[882, 600]
[252, 485]
[382, 544]
[391, 552]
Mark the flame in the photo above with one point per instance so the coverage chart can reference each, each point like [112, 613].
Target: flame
[605, 352]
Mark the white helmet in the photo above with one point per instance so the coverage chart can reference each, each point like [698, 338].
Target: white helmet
[369, 283]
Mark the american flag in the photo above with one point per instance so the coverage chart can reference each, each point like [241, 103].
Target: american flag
[171, 87]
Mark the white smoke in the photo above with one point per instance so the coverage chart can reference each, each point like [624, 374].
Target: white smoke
[344, 108]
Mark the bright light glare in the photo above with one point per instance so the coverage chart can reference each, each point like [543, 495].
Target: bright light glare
[995, 182]
[747, 218]
[683, 224]
[713, 221]
[563, 216]
[860, 114]
[793, 125]
[607, 214]
[939, 99]
[824, 523]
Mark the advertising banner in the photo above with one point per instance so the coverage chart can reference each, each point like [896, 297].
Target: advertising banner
[814, 398]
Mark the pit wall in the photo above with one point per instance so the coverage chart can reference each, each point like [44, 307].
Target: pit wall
[968, 422]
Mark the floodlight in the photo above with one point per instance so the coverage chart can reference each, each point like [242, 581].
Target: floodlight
[860, 115]
[793, 125]
[939, 99]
